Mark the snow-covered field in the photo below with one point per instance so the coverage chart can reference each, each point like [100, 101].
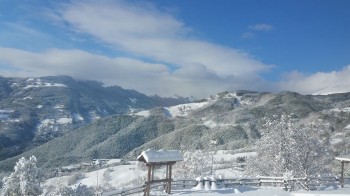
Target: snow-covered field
[132, 175]
[255, 191]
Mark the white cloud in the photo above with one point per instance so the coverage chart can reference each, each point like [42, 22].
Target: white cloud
[261, 27]
[155, 78]
[149, 78]
[177, 61]
[151, 33]
[77, 63]
[319, 83]
[181, 63]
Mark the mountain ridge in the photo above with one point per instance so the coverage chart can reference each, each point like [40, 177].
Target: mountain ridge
[229, 120]
[36, 110]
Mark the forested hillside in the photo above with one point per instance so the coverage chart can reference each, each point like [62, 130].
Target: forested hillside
[224, 121]
[36, 110]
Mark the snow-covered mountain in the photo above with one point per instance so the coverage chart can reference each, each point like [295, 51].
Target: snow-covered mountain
[228, 120]
[36, 110]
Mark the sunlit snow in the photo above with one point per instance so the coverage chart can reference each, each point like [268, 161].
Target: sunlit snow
[178, 110]
[64, 120]
[333, 90]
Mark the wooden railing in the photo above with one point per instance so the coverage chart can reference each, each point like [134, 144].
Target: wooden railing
[290, 184]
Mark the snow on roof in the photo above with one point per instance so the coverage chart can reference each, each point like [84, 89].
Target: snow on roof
[153, 156]
[345, 159]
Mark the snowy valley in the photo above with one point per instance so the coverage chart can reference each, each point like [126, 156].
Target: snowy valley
[230, 135]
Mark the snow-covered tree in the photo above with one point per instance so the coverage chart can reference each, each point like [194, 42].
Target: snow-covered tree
[288, 147]
[196, 163]
[25, 180]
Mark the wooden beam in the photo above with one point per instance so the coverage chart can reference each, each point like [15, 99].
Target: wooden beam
[161, 180]
[161, 163]
[342, 174]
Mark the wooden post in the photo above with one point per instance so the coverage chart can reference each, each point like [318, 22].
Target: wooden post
[285, 185]
[148, 183]
[342, 174]
[152, 173]
[166, 178]
[259, 181]
[170, 166]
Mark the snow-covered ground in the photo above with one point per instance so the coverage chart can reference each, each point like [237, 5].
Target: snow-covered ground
[132, 175]
[244, 191]
[117, 176]
[265, 191]
[178, 110]
[184, 109]
[255, 191]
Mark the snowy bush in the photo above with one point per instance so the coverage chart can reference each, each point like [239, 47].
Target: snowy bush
[25, 180]
[286, 147]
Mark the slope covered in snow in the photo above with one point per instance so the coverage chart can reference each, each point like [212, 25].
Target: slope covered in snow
[333, 90]
[185, 109]
[178, 110]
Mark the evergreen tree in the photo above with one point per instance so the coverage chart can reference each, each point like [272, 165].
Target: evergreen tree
[25, 180]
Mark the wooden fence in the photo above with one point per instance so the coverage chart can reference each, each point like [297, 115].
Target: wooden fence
[291, 184]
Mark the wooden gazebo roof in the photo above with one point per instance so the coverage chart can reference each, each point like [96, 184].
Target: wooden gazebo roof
[345, 159]
[160, 156]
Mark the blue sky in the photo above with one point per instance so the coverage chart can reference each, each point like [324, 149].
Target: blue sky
[167, 47]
